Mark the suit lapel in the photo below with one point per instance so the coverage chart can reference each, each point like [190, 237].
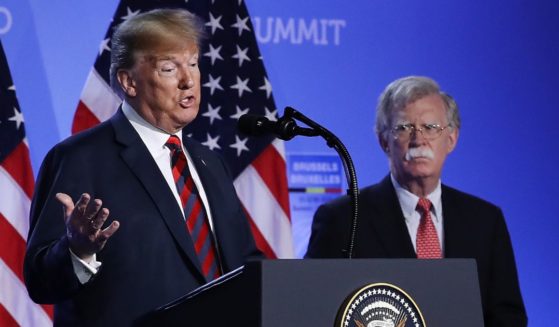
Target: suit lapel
[389, 222]
[137, 157]
[206, 169]
[453, 219]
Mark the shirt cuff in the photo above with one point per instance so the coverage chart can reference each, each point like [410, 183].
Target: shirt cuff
[84, 270]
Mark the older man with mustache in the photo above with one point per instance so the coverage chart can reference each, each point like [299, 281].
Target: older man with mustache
[410, 214]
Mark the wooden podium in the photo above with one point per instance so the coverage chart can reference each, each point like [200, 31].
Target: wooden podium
[310, 292]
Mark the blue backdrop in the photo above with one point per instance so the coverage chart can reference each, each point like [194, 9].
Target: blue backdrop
[331, 59]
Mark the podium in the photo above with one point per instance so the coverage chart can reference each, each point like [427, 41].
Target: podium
[311, 292]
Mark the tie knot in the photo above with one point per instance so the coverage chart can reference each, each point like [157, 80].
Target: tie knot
[173, 143]
[424, 205]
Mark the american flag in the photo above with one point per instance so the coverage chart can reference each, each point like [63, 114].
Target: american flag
[234, 82]
[16, 189]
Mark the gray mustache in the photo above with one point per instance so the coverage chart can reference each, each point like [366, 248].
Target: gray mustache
[419, 153]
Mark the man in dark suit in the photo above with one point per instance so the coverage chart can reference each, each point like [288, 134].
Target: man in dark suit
[154, 217]
[410, 214]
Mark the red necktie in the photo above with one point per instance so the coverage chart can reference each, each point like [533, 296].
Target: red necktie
[427, 242]
[194, 212]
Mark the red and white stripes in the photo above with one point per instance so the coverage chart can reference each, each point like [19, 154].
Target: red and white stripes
[16, 183]
[262, 188]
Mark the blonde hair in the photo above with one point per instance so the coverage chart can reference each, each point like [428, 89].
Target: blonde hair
[150, 30]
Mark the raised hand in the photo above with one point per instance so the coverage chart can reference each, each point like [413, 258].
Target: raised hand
[83, 225]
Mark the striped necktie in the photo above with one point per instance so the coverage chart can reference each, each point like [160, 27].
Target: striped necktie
[194, 212]
[427, 243]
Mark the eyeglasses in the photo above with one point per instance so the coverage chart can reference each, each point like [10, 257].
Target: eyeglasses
[428, 131]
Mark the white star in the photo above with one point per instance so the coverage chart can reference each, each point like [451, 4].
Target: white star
[104, 46]
[241, 86]
[239, 113]
[267, 87]
[213, 84]
[12, 88]
[241, 25]
[212, 113]
[212, 142]
[240, 145]
[214, 23]
[271, 115]
[241, 55]
[17, 117]
[130, 14]
[214, 53]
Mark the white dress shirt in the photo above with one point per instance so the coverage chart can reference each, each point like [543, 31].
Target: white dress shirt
[155, 140]
[408, 204]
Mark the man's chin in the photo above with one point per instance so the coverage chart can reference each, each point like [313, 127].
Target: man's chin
[187, 117]
[418, 172]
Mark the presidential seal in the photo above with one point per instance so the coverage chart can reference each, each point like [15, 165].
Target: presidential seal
[379, 305]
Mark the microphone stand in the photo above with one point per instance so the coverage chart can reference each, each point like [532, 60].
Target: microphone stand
[333, 142]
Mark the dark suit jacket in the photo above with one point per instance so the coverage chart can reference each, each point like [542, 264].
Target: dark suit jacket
[473, 228]
[150, 260]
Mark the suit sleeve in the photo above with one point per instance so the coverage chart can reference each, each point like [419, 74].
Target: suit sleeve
[505, 300]
[328, 234]
[48, 270]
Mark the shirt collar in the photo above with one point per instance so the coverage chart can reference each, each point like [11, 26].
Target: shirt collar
[153, 137]
[408, 201]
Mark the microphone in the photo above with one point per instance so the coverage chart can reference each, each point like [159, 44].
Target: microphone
[284, 128]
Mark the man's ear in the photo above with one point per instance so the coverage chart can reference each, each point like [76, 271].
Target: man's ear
[452, 139]
[126, 82]
[383, 143]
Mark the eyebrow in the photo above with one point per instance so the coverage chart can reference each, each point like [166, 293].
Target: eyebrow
[167, 57]
[160, 58]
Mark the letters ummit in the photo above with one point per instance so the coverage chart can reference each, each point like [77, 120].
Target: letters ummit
[298, 30]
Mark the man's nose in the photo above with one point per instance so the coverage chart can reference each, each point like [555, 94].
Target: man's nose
[416, 134]
[186, 79]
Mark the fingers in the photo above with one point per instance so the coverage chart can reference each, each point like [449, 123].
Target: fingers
[109, 231]
[84, 207]
[99, 219]
[67, 203]
[84, 221]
